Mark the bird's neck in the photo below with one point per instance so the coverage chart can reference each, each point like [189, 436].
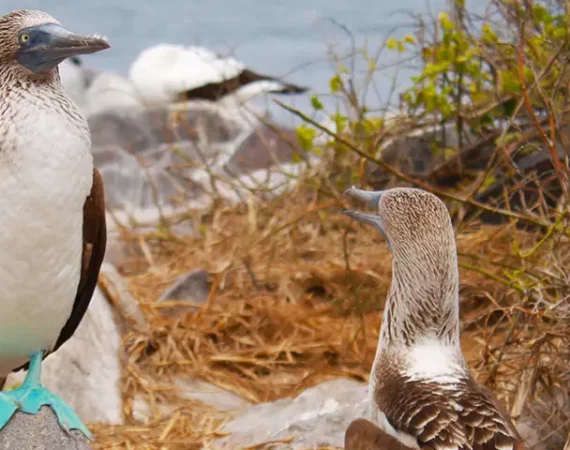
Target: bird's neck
[14, 76]
[423, 301]
[39, 105]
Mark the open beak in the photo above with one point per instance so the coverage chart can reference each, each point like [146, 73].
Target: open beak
[49, 44]
[372, 198]
[368, 219]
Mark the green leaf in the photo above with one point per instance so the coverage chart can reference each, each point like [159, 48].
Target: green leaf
[391, 43]
[335, 83]
[340, 121]
[540, 13]
[305, 136]
[316, 103]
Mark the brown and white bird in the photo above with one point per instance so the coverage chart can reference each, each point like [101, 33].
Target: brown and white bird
[52, 225]
[169, 73]
[362, 434]
[421, 391]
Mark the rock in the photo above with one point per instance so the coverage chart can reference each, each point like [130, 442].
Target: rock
[191, 287]
[194, 389]
[417, 152]
[122, 299]
[86, 371]
[543, 423]
[318, 416]
[162, 163]
[40, 432]
[211, 395]
[546, 188]
[146, 157]
[140, 130]
[265, 147]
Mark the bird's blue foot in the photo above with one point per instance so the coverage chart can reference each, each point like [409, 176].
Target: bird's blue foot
[31, 396]
[7, 409]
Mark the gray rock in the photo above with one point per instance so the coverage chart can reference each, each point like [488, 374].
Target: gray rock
[191, 389]
[40, 432]
[140, 130]
[264, 147]
[318, 416]
[418, 152]
[192, 287]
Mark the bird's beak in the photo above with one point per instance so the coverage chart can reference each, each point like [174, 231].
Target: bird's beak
[372, 198]
[368, 219]
[48, 45]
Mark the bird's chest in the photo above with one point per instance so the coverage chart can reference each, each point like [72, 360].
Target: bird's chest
[45, 176]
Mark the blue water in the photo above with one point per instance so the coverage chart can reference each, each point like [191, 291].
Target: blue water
[279, 37]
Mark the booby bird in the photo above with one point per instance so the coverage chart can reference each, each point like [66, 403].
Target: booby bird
[76, 79]
[52, 226]
[169, 73]
[362, 434]
[420, 386]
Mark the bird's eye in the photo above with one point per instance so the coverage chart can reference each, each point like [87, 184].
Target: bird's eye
[24, 37]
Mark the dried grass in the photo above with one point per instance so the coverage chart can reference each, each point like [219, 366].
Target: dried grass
[297, 295]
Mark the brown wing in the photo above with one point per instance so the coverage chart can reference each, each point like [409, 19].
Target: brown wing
[215, 91]
[94, 242]
[362, 434]
[464, 417]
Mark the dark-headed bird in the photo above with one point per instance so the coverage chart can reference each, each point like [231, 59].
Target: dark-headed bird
[169, 73]
[420, 386]
[52, 225]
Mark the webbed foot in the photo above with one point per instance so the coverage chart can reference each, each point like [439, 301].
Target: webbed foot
[31, 396]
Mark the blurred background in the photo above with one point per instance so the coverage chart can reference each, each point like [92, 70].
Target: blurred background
[291, 39]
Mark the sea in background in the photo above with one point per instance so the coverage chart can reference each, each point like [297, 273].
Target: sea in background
[284, 38]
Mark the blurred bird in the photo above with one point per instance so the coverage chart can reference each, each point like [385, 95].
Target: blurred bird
[76, 79]
[168, 73]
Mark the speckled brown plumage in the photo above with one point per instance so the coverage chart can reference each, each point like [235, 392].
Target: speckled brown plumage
[463, 415]
[420, 387]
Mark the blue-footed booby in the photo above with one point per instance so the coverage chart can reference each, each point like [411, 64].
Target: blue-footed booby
[169, 73]
[52, 226]
[421, 390]
[362, 434]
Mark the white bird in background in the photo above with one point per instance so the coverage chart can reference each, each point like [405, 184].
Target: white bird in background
[75, 79]
[168, 73]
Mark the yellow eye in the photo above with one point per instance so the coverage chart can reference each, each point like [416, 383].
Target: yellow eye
[24, 37]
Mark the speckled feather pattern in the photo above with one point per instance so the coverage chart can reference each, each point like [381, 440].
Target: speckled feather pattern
[420, 387]
[46, 171]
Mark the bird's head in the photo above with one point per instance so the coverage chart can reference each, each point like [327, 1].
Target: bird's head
[425, 281]
[37, 43]
[411, 220]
